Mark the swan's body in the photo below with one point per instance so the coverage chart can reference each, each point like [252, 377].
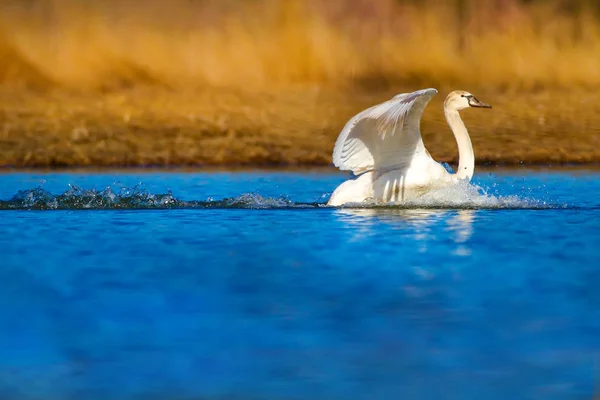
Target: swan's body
[383, 146]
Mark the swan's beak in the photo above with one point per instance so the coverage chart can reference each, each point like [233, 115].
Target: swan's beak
[474, 102]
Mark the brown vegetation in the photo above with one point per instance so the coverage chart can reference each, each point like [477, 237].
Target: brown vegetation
[221, 82]
[286, 127]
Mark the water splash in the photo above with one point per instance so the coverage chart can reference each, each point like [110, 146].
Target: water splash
[465, 196]
[253, 200]
[76, 198]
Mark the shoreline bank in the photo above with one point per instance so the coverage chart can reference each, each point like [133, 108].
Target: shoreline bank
[285, 127]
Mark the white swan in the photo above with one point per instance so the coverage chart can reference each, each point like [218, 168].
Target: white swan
[383, 146]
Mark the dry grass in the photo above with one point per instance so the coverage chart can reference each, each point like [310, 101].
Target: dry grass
[287, 127]
[261, 43]
[221, 82]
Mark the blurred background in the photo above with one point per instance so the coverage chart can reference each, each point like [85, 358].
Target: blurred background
[109, 43]
[268, 69]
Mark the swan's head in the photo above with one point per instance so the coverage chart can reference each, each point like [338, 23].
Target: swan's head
[459, 100]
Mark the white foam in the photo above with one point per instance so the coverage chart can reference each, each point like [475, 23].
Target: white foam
[462, 195]
[256, 200]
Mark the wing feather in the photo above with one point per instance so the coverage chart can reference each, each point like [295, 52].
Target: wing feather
[384, 136]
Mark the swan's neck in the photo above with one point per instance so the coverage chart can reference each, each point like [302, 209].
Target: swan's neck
[466, 158]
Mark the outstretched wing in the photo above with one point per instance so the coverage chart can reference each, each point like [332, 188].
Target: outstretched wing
[384, 136]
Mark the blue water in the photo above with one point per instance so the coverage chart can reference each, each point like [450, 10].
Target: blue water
[242, 285]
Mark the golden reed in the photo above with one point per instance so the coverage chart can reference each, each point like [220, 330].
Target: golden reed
[272, 82]
[263, 43]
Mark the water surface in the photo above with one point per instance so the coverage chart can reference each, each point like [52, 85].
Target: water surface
[244, 285]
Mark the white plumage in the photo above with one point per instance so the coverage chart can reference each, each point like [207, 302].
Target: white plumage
[383, 145]
[384, 136]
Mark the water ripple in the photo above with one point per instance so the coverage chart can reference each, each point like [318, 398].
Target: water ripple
[137, 198]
